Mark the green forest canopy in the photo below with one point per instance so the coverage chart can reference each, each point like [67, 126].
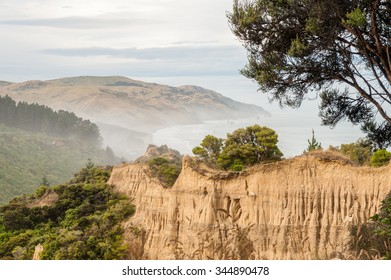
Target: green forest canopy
[36, 142]
[40, 118]
[83, 223]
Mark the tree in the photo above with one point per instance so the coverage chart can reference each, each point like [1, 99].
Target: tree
[241, 148]
[209, 149]
[313, 144]
[90, 164]
[45, 181]
[359, 152]
[109, 156]
[296, 47]
[380, 157]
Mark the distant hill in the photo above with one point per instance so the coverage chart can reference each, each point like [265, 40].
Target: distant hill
[129, 104]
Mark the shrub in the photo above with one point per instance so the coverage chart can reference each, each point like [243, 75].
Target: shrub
[374, 237]
[360, 152]
[167, 172]
[380, 157]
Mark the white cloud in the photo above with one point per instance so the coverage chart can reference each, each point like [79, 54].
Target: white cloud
[178, 53]
[77, 22]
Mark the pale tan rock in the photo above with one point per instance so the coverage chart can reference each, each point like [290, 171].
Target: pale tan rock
[38, 250]
[48, 199]
[300, 208]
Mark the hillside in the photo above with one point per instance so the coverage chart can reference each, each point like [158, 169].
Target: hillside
[302, 208]
[79, 219]
[121, 103]
[25, 158]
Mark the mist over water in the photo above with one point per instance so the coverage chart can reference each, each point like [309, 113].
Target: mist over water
[294, 126]
[293, 133]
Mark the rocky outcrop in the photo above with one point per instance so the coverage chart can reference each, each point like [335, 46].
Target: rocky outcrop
[38, 250]
[49, 198]
[163, 151]
[300, 208]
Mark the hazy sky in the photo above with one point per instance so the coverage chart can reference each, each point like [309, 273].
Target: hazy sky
[173, 42]
[50, 38]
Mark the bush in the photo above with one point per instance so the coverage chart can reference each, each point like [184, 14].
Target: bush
[166, 171]
[374, 237]
[360, 152]
[380, 157]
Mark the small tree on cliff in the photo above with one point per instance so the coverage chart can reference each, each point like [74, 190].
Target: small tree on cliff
[209, 149]
[242, 148]
[313, 144]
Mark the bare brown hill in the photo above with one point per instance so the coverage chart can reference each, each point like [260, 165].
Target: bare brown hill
[300, 208]
[118, 104]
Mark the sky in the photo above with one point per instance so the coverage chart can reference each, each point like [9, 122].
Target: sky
[173, 42]
[49, 38]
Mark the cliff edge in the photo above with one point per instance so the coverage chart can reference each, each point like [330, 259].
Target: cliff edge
[300, 208]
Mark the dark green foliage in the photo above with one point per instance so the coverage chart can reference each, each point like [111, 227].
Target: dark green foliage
[380, 158]
[41, 191]
[299, 47]
[39, 118]
[359, 152]
[378, 135]
[109, 156]
[209, 149]
[375, 236]
[165, 170]
[25, 157]
[45, 181]
[84, 223]
[90, 164]
[313, 144]
[242, 148]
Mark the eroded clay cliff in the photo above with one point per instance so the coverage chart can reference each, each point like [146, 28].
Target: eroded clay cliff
[300, 208]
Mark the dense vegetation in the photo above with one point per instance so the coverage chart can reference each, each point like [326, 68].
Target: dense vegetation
[242, 148]
[82, 223]
[363, 152]
[25, 158]
[373, 239]
[167, 171]
[39, 118]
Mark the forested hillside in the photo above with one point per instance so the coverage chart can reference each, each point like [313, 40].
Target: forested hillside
[39, 145]
[40, 118]
[80, 220]
[25, 158]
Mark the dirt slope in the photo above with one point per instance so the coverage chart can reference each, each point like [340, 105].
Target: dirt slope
[300, 208]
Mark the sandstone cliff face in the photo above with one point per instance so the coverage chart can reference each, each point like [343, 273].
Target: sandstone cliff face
[295, 209]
